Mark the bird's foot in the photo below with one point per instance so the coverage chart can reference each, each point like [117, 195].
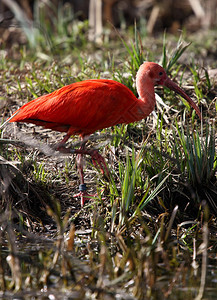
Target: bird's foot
[83, 194]
[99, 161]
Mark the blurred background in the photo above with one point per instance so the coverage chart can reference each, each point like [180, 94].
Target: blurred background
[21, 21]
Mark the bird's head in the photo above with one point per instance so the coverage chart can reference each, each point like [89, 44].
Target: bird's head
[158, 76]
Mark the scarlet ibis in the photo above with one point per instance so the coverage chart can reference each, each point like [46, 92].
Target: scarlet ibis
[90, 105]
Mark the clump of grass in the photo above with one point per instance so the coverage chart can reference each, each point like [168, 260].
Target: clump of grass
[169, 61]
[199, 162]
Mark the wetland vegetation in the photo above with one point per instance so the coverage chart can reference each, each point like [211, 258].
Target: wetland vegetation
[150, 231]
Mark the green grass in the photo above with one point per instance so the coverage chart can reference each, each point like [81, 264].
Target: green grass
[147, 225]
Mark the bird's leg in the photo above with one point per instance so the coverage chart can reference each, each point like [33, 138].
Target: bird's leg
[83, 194]
[61, 145]
[82, 187]
[99, 161]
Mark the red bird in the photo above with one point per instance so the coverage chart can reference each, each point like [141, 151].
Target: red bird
[90, 105]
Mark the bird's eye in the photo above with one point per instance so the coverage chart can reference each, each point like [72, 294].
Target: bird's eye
[160, 73]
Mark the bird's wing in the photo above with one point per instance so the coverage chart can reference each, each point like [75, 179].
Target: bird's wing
[84, 106]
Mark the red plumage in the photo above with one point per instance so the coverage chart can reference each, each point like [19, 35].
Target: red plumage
[80, 108]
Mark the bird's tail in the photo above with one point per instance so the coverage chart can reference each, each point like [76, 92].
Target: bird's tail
[8, 120]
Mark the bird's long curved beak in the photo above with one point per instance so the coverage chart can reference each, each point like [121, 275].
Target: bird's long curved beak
[174, 87]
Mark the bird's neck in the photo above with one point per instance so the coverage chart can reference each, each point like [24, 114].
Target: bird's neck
[145, 89]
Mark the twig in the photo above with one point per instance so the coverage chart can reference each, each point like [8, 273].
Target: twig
[204, 262]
